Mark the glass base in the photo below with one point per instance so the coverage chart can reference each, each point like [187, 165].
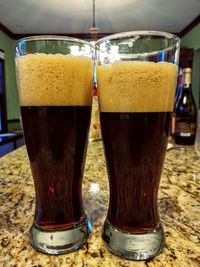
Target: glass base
[133, 246]
[62, 241]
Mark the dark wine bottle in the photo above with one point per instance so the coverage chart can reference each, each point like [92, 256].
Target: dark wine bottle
[185, 113]
[178, 89]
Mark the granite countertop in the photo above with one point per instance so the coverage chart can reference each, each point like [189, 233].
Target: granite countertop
[178, 201]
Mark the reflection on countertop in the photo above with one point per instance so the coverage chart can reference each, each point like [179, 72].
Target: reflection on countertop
[178, 201]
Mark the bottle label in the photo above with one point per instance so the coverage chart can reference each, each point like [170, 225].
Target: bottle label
[185, 129]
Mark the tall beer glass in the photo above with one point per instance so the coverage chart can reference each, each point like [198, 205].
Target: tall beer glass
[136, 79]
[54, 77]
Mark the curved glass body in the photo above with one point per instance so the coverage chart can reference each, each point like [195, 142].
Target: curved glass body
[54, 76]
[136, 80]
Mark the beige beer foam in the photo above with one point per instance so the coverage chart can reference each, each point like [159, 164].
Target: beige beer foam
[54, 80]
[136, 86]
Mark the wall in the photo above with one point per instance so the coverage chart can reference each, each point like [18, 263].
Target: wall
[7, 44]
[192, 40]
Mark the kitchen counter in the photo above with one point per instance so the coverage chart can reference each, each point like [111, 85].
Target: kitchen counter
[10, 141]
[179, 205]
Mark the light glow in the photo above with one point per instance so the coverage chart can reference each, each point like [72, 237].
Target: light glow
[94, 188]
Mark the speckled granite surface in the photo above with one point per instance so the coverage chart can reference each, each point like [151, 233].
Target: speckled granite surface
[178, 200]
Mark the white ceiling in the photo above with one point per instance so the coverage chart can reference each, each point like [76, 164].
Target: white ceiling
[75, 16]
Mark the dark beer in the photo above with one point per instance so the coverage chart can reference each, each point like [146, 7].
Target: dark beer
[55, 98]
[136, 87]
[135, 145]
[136, 100]
[56, 139]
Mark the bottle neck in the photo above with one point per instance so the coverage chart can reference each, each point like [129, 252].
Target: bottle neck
[187, 82]
[186, 88]
[187, 78]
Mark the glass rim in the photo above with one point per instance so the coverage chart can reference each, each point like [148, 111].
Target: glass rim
[122, 35]
[52, 38]
[129, 34]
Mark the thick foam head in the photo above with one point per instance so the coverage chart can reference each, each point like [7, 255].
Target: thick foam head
[136, 86]
[54, 80]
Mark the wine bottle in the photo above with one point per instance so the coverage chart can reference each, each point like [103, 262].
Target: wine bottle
[178, 88]
[185, 113]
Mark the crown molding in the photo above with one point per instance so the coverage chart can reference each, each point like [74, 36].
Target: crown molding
[17, 36]
[188, 28]
[6, 31]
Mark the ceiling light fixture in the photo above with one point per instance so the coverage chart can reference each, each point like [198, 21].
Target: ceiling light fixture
[94, 30]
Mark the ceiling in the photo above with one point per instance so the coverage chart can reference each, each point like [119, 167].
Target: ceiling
[75, 16]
